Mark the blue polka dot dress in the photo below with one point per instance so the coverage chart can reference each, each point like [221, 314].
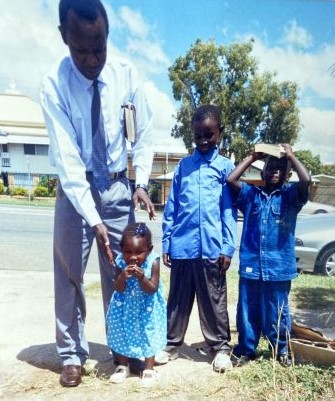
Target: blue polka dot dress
[136, 321]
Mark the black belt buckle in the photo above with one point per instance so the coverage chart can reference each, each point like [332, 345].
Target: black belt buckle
[119, 174]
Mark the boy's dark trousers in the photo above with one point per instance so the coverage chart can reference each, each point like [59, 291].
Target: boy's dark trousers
[200, 277]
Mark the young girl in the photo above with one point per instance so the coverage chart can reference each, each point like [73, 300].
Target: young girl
[136, 317]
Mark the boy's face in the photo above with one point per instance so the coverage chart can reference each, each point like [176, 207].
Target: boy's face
[206, 134]
[87, 42]
[275, 171]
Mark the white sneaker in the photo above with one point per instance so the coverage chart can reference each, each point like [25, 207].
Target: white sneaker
[170, 353]
[221, 362]
[120, 374]
[149, 378]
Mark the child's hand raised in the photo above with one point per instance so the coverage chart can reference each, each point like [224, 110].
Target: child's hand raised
[128, 271]
[138, 272]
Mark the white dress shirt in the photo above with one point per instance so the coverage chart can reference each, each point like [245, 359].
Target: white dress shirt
[66, 98]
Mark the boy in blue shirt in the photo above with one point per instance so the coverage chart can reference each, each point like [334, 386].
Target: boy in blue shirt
[267, 258]
[199, 233]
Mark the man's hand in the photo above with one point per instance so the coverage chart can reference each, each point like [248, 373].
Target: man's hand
[141, 195]
[224, 263]
[101, 235]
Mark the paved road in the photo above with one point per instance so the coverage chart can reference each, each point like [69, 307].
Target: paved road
[26, 238]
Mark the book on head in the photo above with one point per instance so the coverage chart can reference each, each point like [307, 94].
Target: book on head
[270, 149]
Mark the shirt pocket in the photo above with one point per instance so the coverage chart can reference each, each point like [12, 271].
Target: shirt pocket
[280, 216]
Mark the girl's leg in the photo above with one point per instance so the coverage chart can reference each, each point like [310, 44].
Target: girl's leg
[149, 363]
[123, 360]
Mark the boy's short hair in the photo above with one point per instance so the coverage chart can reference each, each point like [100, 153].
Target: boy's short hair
[87, 9]
[285, 164]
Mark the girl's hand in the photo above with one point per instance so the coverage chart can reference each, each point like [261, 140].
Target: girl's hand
[138, 272]
[128, 271]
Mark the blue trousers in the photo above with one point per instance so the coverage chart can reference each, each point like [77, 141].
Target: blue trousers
[263, 309]
[73, 239]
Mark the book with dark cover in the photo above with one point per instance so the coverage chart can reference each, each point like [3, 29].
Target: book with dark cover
[130, 129]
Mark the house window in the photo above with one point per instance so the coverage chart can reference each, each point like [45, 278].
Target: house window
[29, 149]
[40, 150]
[5, 162]
[4, 148]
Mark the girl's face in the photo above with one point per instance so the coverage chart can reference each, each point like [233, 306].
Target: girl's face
[206, 134]
[135, 250]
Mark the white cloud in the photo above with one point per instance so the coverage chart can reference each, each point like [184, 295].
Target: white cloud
[163, 121]
[317, 134]
[309, 70]
[316, 86]
[297, 36]
[134, 22]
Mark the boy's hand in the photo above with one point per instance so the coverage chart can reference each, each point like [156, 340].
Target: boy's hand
[224, 263]
[166, 259]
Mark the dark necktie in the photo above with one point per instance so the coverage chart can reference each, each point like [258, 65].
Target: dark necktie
[99, 158]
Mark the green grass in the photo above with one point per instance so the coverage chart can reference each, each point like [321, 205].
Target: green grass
[262, 379]
[24, 201]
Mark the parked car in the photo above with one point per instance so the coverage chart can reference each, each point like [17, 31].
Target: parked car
[315, 208]
[315, 243]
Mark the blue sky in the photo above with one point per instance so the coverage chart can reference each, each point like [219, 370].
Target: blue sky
[294, 38]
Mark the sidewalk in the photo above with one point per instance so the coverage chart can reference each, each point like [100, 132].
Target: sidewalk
[28, 355]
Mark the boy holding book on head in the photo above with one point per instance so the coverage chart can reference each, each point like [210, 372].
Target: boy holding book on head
[267, 259]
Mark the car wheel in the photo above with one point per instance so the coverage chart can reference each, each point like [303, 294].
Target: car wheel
[326, 262]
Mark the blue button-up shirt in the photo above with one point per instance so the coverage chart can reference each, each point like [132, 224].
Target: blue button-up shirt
[199, 219]
[267, 242]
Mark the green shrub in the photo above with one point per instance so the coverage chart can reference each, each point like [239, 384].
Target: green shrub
[19, 191]
[42, 192]
[2, 188]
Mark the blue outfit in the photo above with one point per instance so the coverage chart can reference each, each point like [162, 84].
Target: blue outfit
[136, 320]
[199, 220]
[267, 265]
[199, 225]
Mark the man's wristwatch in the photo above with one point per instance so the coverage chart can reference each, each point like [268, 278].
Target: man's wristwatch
[143, 186]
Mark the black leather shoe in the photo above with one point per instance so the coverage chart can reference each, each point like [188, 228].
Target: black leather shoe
[71, 376]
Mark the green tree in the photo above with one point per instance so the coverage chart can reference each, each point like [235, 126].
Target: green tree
[312, 163]
[253, 107]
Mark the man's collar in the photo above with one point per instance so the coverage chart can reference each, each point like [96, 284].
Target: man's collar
[87, 83]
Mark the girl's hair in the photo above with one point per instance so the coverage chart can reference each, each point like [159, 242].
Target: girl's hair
[139, 230]
[206, 111]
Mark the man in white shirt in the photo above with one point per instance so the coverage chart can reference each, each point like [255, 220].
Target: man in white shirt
[82, 99]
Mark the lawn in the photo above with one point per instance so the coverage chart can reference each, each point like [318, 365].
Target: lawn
[262, 379]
